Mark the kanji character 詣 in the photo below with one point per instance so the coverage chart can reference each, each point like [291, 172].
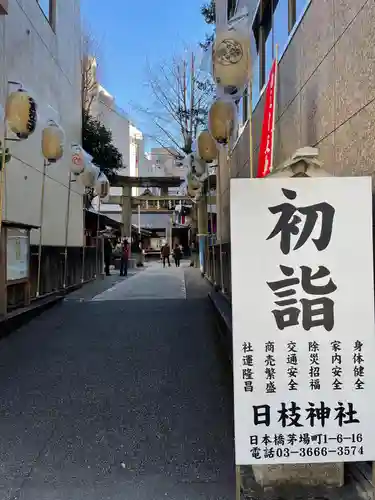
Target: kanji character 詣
[315, 312]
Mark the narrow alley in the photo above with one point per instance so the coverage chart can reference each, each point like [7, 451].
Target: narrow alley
[119, 395]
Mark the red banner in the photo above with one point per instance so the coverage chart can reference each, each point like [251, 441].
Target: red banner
[266, 143]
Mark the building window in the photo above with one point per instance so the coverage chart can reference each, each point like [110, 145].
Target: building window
[231, 8]
[48, 8]
[274, 22]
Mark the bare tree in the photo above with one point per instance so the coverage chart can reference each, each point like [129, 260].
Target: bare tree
[89, 86]
[180, 104]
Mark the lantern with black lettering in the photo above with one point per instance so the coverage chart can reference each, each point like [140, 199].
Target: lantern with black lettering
[21, 113]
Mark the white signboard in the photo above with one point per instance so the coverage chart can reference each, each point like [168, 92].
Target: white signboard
[17, 254]
[303, 320]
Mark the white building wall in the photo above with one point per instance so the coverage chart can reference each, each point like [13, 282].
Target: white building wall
[115, 120]
[105, 109]
[47, 62]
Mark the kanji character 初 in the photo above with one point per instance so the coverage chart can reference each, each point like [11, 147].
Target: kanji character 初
[290, 417]
[290, 220]
[320, 414]
[262, 415]
[346, 416]
[315, 312]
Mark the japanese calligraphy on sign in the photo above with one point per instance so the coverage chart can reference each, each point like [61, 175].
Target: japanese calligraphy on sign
[303, 320]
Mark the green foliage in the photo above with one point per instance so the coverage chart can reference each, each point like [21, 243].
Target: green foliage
[208, 12]
[97, 141]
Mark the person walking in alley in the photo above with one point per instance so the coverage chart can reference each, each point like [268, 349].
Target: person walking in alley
[124, 258]
[107, 255]
[165, 253]
[177, 254]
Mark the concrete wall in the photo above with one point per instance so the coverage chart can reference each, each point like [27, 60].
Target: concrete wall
[47, 62]
[116, 121]
[325, 95]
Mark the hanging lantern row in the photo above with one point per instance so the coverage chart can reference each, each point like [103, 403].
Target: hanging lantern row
[21, 116]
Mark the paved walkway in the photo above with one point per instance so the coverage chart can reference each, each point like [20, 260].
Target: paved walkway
[118, 394]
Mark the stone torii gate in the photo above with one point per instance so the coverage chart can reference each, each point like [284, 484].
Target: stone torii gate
[127, 202]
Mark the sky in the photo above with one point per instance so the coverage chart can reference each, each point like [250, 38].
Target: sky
[132, 32]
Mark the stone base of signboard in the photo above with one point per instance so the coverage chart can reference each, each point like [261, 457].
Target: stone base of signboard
[299, 474]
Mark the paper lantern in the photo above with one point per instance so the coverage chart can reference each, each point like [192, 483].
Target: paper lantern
[102, 186]
[221, 120]
[193, 185]
[21, 113]
[198, 166]
[207, 149]
[79, 158]
[89, 176]
[53, 142]
[231, 58]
